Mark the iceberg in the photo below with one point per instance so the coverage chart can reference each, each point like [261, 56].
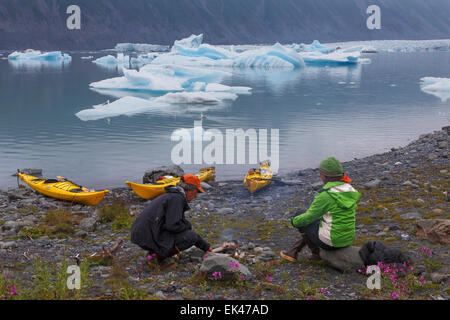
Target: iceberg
[334, 58]
[140, 47]
[161, 78]
[276, 56]
[143, 59]
[37, 55]
[126, 105]
[188, 97]
[111, 61]
[315, 46]
[193, 41]
[439, 87]
[129, 105]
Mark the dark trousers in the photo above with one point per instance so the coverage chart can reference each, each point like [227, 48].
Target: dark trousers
[186, 239]
[312, 232]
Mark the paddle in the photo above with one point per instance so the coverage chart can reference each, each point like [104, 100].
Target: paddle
[82, 188]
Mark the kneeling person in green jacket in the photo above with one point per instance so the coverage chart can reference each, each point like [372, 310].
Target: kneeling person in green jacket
[329, 223]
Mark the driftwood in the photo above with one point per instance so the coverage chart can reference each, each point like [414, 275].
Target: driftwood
[108, 252]
[231, 249]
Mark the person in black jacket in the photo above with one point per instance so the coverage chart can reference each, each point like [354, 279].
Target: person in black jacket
[162, 228]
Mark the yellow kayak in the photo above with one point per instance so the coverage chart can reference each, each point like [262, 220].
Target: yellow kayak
[259, 178]
[63, 190]
[152, 190]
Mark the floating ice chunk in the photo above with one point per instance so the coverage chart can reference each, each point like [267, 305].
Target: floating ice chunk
[217, 87]
[204, 50]
[274, 57]
[192, 41]
[315, 46]
[123, 106]
[31, 54]
[188, 97]
[140, 47]
[111, 61]
[193, 47]
[87, 58]
[143, 59]
[338, 57]
[439, 87]
[140, 81]
[107, 60]
[177, 59]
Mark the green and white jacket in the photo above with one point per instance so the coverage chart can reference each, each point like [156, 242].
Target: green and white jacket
[335, 205]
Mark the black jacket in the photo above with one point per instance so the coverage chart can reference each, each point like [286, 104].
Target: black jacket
[161, 219]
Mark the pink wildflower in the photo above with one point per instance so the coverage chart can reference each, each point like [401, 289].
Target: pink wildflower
[395, 295]
[269, 278]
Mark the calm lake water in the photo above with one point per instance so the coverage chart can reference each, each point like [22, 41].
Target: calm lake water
[346, 112]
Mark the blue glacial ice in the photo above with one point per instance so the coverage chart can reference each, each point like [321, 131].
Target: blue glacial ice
[163, 78]
[37, 55]
[439, 87]
[337, 57]
[111, 61]
[315, 46]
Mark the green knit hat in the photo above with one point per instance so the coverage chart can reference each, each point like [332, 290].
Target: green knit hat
[331, 167]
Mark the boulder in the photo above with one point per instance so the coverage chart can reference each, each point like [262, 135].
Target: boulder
[226, 265]
[435, 230]
[317, 185]
[345, 259]
[154, 174]
[411, 215]
[88, 224]
[372, 184]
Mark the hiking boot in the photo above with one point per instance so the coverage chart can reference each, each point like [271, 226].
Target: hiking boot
[167, 265]
[291, 254]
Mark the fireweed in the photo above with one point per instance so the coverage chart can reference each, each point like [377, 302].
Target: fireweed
[397, 288]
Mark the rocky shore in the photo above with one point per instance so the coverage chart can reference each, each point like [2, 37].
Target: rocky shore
[402, 188]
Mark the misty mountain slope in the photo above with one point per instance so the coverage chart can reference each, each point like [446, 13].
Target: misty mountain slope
[42, 23]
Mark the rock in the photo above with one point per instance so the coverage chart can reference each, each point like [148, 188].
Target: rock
[372, 184]
[409, 183]
[411, 215]
[443, 145]
[421, 201]
[438, 278]
[160, 295]
[81, 234]
[154, 174]
[435, 230]
[224, 211]
[224, 264]
[7, 245]
[88, 224]
[9, 225]
[437, 211]
[345, 259]
[317, 185]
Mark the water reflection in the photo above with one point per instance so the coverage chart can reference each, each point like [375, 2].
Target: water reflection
[38, 65]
